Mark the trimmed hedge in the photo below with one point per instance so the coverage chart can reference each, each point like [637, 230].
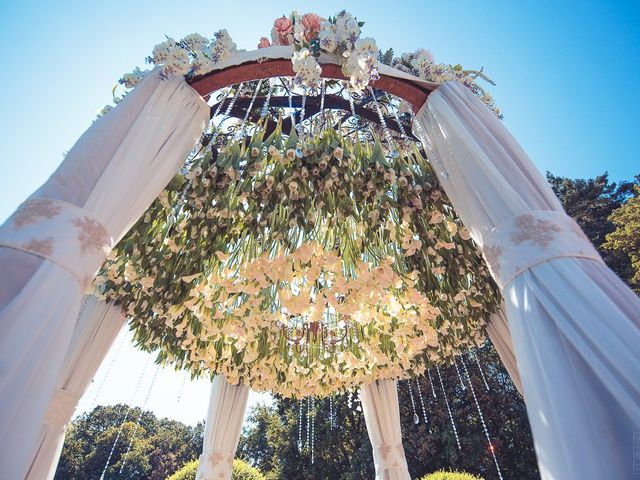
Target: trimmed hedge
[241, 471]
[444, 475]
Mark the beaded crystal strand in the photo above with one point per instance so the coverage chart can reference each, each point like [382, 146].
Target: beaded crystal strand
[446, 401]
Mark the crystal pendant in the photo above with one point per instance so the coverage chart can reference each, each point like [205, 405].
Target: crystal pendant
[416, 419]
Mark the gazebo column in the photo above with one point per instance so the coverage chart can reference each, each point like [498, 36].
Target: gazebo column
[51, 247]
[382, 417]
[575, 325]
[98, 326]
[227, 407]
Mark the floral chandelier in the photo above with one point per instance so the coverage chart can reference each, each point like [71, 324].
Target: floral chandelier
[307, 262]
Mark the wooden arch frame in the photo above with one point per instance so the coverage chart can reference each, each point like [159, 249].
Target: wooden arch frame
[414, 93]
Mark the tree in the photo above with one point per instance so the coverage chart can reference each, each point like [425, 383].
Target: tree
[158, 446]
[626, 236]
[590, 202]
[270, 439]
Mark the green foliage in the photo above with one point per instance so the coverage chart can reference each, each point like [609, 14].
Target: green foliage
[269, 439]
[626, 237]
[590, 202]
[444, 475]
[158, 446]
[241, 471]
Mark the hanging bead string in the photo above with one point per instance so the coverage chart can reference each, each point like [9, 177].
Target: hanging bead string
[303, 108]
[397, 118]
[446, 401]
[137, 422]
[433, 390]
[323, 89]
[265, 108]
[424, 410]
[308, 422]
[484, 379]
[434, 158]
[416, 419]
[182, 384]
[383, 122]
[331, 412]
[459, 376]
[313, 428]
[300, 425]
[246, 115]
[227, 111]
[351, 104]
[121, 342]
[484, 425]
[219, 107]
[126, 416]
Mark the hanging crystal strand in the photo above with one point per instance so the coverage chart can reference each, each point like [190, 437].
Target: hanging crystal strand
[416, 419]
[137, 423]
[303, 108]
[484, 379]
[265, 108]
[387, 133]
[313, 428]
[246, 115]
[433, 390]
[424, 410]
[227, 111]
[464, 387]
[123, 336]
[434, 158]
[331, 412]
[219, 107]
[300, 425]
[126, 416]
[182, 384]
[446, 401]
[484, 425]
[323, 90]
[308, 422]
[403, 133]
[351, 104]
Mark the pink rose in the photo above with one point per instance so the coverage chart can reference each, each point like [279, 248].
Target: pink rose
[264, 43]
[311, 23]
[282, 33]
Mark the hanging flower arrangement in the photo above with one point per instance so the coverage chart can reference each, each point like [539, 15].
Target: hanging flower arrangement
[302, 266]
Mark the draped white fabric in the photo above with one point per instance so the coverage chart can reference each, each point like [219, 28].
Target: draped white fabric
[222, 430]
[575, 325]
[500, 336]
[52, 245]
[382, 416]
[98, 325]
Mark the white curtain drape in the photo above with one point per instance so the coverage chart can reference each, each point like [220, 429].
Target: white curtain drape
[382, 417]
[53, 244]
[98, 325]
[500, 336]
[575, 325]
[227, 406]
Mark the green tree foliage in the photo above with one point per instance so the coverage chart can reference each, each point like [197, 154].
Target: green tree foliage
[625, 239]
[444, 475]
[241, 471]
[158, 446]
[269, 439]
[590, 202]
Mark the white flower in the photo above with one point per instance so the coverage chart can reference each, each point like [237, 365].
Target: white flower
[327, 37]
[194, 42]
[307, 68]
[162, 51]
[130, 80]
[366, 46]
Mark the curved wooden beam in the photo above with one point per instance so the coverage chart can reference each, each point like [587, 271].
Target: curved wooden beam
[413, 93]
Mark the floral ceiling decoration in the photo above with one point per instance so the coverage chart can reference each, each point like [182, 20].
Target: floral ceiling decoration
[302, 266]
[303, 255]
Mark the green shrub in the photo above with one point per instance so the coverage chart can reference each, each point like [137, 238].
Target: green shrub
[444, 475]
[241, 471]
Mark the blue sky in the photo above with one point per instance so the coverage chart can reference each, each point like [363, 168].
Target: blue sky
[566, 74]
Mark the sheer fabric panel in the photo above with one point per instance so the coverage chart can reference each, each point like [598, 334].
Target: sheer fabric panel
[575, 326]
[51, 247]
[382, 416]
[98, 326]
[227, 407]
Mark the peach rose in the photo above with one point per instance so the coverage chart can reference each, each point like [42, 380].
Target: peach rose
[264, 43]
[282, 32]
[311, 23]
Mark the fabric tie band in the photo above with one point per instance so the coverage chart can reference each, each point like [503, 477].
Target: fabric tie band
[523, 241]
[60, 232]
[216, 465]
[389, 456]
[63, 404]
